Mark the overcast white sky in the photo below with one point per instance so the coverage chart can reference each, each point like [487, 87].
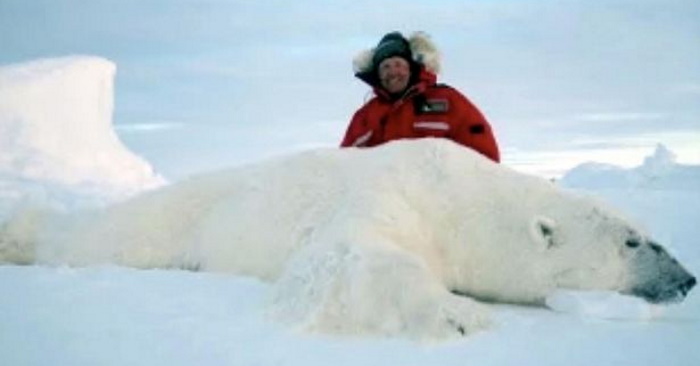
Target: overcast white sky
[242, 79]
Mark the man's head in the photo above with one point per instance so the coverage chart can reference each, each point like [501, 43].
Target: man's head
[394, 74]
[417, 50]
[392, 60]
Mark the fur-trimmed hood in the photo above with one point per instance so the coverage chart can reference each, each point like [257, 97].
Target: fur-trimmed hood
[423, 50]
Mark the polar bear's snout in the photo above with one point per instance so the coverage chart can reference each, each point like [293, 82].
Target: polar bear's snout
[658, 293]
[657, 276]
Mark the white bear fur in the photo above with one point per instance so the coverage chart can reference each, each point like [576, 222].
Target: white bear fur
[358, 241]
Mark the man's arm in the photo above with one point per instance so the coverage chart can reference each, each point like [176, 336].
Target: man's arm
[358, 132]
[473, 130]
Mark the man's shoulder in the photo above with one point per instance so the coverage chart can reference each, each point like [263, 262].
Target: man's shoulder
[373, 102]
[372, 105]
[444, 90]
[443, 87]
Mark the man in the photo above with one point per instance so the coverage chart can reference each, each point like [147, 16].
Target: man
[408, 102]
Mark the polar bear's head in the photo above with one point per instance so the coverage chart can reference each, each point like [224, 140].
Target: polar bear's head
[510, 237]
[600, 250]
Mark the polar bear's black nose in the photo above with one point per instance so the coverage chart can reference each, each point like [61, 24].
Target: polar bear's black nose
[685, 287]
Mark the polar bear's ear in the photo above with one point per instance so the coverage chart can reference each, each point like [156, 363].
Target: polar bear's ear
[542, 231]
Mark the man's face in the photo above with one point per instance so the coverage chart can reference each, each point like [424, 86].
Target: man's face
[394, 73]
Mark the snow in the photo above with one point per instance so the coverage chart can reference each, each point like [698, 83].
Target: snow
[56, 135]
[603, 305]
[658, 171]
[57, 145]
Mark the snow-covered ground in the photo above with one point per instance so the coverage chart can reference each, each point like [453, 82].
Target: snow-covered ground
[119, 316]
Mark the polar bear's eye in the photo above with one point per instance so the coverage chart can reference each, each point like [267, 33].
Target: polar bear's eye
[632, 243]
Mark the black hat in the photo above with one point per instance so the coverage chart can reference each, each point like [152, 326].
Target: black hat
[392, 44]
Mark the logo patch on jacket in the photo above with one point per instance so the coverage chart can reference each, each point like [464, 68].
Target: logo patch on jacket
[434, 106]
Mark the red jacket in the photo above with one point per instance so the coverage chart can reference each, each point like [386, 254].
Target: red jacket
[427, 109]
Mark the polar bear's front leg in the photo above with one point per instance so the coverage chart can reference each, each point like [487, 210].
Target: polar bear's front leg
[371, 288]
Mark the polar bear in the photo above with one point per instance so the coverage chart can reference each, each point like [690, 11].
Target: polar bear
[409, 238]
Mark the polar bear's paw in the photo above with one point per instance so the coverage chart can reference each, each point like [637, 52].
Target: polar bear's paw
[17, 238]
[460, 316]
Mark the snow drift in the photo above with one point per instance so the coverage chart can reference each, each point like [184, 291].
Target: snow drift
[660, 171]
[56, 131]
